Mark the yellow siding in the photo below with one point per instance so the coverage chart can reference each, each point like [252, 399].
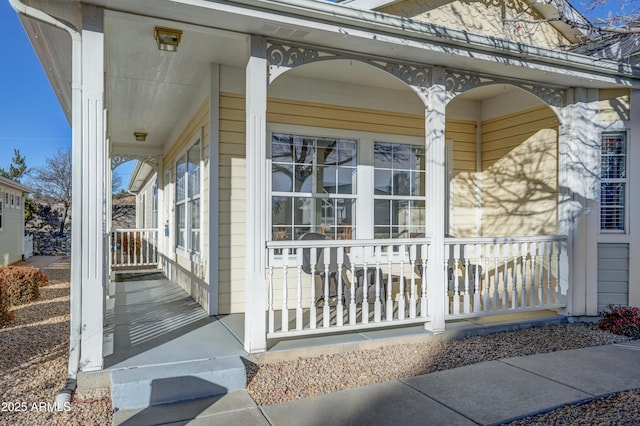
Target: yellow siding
[482, 17]
[614, 105]
[519, 174]
[463, 194]
[192, 276]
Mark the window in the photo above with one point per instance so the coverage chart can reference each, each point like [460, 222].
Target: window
[613, 183]
[1, 210]
[313, 186]
[154, 205]
[347, 185]
[399, 189]
[188, 199]
[6, 199]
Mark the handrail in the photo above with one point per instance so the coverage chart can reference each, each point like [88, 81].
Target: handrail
[350, 243]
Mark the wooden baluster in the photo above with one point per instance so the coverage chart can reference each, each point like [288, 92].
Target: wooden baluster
[557, 288]
[312, 310]
[456, 280]
[505, 278]
[389, 307]
[467, 297]
[487, 282]
[377, 307]
[412, 295]
[270, 302]
[541, 286]
[515, 296]
[549, 273]
[401, 296]
[523, 286]
[285, 290]
[496, 278]
[532, 286]
[477, 289]
[340, 306]
[352, 297]
[423, 297]
[447, 255]
[326, 309]
[365, 293]
[299, 262]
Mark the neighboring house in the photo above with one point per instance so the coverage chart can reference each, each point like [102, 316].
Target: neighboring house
[12, 237]
[458, 164]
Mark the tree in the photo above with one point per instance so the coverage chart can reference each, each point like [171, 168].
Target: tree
[17, 170]
[626, 20]
[116, 182]
[54, 179]
[18, 167]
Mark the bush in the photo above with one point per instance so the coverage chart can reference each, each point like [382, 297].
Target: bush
[22, 283]
[5, 316]
[620, 319]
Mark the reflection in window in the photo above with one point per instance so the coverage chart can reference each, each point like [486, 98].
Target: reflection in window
[399, 189]
[313, 185]
[188, 199]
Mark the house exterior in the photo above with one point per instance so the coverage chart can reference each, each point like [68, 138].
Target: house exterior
[12, 237]
[322, 167]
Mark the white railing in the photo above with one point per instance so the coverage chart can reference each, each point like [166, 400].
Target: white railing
[27, 246]
[134, 248]
[319, 286]
[497, 275]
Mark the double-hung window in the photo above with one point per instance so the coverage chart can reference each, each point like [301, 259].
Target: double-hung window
[313, 186]
[399, 190]
[187, 209]
[613, 181]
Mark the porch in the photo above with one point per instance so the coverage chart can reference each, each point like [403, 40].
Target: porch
[161, 346]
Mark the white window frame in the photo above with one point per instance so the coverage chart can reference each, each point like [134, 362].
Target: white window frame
[363, 221]
[1, 210]
[154, 203]
[625, 181]
[188, 250]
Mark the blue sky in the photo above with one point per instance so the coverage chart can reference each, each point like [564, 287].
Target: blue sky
[31, 118]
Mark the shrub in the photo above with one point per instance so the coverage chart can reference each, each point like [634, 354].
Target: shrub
[22, 283]
[5, 316]
[620, 319]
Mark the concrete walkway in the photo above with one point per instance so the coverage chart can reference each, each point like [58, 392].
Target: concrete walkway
[482, 394]
[40, 262]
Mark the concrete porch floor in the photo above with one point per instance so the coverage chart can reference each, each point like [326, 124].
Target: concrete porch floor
[162, 347]
[152, 321]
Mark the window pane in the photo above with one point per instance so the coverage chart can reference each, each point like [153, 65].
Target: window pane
[282, 177]
[181, 170]
[613, 160]
[382, 182]
[193, 157]
[180, 225]
[195, 224]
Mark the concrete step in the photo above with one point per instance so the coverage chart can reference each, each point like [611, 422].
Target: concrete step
[140, 387]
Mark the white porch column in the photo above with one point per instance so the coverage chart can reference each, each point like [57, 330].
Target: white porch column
[214, 161]
[579, 167]
[91, 194]
[435, 204]
[255, 339]
[634, 198]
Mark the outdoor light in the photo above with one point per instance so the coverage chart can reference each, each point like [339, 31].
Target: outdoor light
[140, 136]
[168, 39]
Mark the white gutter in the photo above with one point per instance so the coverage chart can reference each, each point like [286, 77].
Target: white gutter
[64, 396]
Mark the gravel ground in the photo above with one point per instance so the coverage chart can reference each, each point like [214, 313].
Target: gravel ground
[33, 361]
[33, 364]
[273, 383]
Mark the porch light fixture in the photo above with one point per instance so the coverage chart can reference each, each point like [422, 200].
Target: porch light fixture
[168, 39]
[140, 136]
